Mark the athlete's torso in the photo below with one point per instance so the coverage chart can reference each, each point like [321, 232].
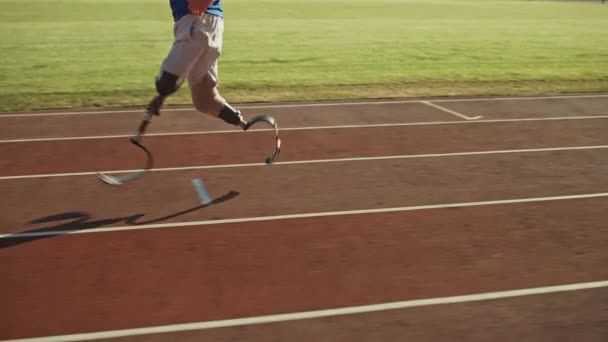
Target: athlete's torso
[180, 8]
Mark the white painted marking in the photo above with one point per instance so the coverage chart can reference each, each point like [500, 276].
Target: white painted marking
[523, 98]
[305, 215]
[319, 161]
[343, 311]
[449, 111]
[201, 191]
[308, 128]
[320, 104]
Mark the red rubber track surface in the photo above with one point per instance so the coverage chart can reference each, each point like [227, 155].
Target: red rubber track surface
[103, 280]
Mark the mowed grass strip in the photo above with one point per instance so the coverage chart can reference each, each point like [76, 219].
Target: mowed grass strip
[106, 53]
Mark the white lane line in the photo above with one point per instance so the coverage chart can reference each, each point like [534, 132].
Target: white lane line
[320, 161]
[305, 215]
[449, 111]
[523, 98]
[343, 311]
[321, 104]
[308, 128]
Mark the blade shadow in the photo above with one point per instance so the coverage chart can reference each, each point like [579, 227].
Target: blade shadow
[79, 221]
[132, 220]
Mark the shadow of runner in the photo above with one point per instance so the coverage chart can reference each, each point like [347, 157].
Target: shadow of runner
[78, 221]
[82, 221]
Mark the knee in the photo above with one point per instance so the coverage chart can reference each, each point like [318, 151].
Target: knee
[167, 83]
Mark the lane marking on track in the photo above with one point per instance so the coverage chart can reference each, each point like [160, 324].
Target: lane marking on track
[323, 104]
[309, 128]
[449, 111]
[343, 311]
[319, 161]
[305, 215]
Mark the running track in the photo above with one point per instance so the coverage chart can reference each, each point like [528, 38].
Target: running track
[398, 220]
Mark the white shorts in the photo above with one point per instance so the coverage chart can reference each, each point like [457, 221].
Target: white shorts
[196, 48]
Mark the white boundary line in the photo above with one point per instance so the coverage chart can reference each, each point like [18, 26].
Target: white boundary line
[319, 161]
[324, 104]
[302, 216]
[400, 124]
[343, 311]
[449, 111]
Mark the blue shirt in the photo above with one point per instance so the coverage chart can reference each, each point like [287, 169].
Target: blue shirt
[180, 8]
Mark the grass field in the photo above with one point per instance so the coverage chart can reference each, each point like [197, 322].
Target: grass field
[86, 53]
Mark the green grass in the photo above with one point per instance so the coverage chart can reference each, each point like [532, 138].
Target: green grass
[86, 53]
